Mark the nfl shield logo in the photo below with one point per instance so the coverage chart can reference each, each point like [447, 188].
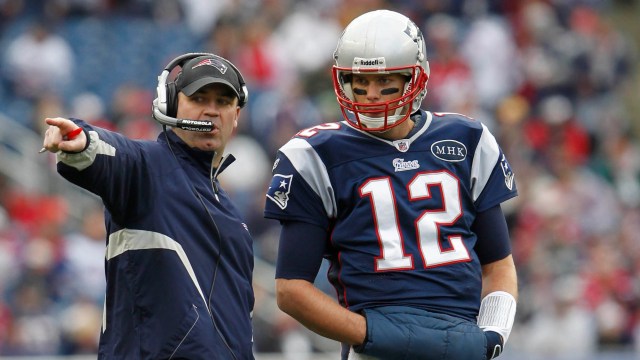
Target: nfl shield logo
[401, 145]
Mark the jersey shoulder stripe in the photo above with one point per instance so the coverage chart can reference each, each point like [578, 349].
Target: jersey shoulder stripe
[312, 169]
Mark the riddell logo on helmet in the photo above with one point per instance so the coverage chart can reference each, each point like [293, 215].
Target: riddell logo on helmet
[368, 62]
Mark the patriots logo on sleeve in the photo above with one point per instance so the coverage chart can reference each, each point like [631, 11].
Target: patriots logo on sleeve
[508, 173]
[279, 189]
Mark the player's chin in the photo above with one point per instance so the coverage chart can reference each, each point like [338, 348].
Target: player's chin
[372, 114]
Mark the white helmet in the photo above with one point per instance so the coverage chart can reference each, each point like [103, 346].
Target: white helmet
[380, 42]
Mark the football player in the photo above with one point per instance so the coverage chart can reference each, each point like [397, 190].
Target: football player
[404, 203]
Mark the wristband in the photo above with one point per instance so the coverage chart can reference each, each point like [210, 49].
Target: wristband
[497, 312]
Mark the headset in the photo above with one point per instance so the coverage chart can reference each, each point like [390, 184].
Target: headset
[165, 105]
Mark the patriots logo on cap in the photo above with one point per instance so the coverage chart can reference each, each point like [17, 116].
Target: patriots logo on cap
[212, 62]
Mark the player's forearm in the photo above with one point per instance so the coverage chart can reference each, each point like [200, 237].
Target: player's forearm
[498, 306]
[320, 313]
[500, 276]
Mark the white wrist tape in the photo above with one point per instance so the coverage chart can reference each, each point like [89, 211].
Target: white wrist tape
[497, 312]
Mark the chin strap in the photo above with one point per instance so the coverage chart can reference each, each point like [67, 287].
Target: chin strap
[497, 313]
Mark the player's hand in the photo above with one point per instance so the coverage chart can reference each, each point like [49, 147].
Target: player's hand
[495, 344]
[56, 136]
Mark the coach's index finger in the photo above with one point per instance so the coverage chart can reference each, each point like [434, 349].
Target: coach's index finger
[65, 125]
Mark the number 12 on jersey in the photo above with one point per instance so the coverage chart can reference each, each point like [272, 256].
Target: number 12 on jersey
[427, 225]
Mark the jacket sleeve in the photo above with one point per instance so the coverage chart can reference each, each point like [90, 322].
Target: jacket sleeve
[112, 167]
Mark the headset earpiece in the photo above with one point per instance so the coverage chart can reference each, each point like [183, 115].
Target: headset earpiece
[243, 94]
[243, 97]
[172, 100]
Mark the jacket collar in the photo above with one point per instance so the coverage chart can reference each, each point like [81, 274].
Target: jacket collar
[202, 159]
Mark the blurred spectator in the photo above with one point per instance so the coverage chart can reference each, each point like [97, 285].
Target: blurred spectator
[34, 329]
[131, 112]
[84, 251]
[223, 39]
[11, 238]
[38, 60]
[563, 326]
[258, 56]
[545, 50]
[511, 114]
[91, 108]
[556, 136]
[306, 39]
[454, 83]
[608, 284]
[81, 324]
[246, 184]
[619, 162]
[167, 12]
[46, 104]
[497, 75]
[202, 15]
[278, 115]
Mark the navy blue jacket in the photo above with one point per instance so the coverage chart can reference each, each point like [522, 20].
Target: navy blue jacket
[179, 258]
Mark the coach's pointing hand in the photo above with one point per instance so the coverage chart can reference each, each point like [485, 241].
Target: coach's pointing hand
[63, 134]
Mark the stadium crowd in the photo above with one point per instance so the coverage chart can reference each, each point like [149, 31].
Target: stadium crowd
[553, 80]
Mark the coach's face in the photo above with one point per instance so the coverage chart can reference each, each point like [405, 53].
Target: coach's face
[217, 103]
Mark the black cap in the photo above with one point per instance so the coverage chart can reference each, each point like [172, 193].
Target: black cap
[205, 70]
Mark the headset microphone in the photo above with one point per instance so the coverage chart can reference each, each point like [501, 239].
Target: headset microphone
[186, 124]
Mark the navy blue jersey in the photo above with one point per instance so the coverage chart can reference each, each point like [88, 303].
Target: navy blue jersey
[399, 213]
